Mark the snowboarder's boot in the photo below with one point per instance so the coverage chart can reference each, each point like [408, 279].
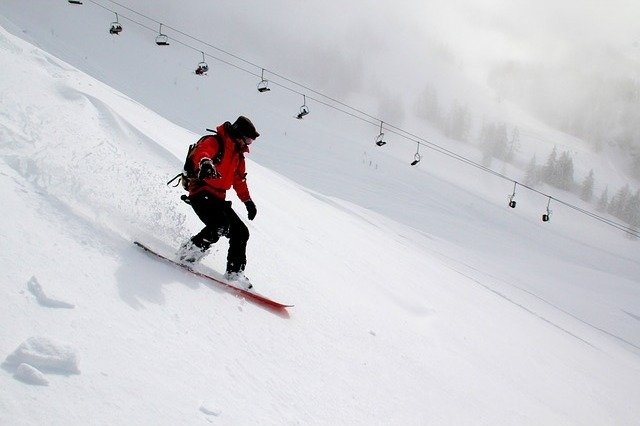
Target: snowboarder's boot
[190, 253]
[238, 279]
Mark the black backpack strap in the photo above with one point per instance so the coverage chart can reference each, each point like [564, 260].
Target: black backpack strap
[179, 175]
[219, 155]
[188, 171]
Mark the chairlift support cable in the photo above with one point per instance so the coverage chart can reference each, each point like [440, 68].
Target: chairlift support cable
[354, 112]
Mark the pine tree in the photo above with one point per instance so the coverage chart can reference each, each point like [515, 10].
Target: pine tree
[564, 171]
[559, 170]
[495, 143]
[550, 170]
[532, 175]
[619, 202]
[603, 201]
[634, 209]
[586, 189]
[513, 143]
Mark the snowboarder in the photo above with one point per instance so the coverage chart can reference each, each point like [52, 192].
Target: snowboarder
[215, 175]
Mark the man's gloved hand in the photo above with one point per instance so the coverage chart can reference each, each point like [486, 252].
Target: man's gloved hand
[207, 169]
[251, 209]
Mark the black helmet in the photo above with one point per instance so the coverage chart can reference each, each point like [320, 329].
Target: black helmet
[244, 127]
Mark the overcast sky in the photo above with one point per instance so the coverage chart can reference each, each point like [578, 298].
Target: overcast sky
[397, 47]
[392, 50]
[477, 32]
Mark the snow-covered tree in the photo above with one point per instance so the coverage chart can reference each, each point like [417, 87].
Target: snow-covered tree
[634, 209]
[549, 172]
[495, 142]
[559, 170]
[586, 189]
[620, 201]
[532, 175]
[564, 173]
[603, 202]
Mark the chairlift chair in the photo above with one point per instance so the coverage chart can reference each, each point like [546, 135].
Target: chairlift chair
[380, 138]
[304, 110]
[115, 29]
[263, 86]
[75, 2]
[512, 202]
[162, 39]
[416, 157]
[203, 67]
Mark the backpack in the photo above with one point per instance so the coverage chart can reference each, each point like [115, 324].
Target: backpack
[188, 174]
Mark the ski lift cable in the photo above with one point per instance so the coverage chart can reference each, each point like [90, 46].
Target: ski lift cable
[273, 82]
[173, 39]
[444, 151]
[247, 62]
[182, 33]
[629, 230]
[236, 66]
[356, 112]
[349, 110]
[305, 87]
[231, 64]
[352, 111]
[412, 137]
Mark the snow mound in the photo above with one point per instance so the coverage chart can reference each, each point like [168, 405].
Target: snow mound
[36, 289]
[210, 409]
[29, 374]
[45, 354]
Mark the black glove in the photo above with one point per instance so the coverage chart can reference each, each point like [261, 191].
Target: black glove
[251, 209]
[207, 169]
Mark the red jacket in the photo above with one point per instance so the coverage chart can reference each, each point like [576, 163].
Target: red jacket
[231, 167]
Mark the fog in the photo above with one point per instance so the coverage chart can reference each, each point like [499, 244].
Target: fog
[573, 64]
[563, 61]
[449, 71]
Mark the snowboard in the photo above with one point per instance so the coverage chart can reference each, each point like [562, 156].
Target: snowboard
[245, 294]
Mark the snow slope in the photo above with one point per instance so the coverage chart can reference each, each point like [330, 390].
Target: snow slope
[439, 306]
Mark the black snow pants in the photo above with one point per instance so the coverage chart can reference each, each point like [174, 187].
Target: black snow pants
[221, 220]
